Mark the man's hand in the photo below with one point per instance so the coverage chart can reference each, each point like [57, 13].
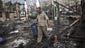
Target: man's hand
[48, 23]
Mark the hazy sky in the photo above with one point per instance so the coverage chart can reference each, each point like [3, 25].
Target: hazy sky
[21, 1]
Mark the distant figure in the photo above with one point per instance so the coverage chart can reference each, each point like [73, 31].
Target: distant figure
[42, 20]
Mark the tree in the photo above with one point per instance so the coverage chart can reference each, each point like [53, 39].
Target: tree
[8, 5]
[1, 6]
[0, 2]
[11, 6]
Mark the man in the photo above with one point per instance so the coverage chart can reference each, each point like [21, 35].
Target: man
[42, 21]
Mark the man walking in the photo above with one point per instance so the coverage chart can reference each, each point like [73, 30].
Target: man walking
[42, 20]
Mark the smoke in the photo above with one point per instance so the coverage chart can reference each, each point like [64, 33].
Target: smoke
[37, 3]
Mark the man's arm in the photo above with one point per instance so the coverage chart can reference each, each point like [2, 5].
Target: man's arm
[46, 17]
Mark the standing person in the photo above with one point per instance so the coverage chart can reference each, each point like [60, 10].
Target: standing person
[42, 20]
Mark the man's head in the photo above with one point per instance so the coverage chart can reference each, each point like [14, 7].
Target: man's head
[39, 10]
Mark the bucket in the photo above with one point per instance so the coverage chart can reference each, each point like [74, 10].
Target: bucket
[34, 28]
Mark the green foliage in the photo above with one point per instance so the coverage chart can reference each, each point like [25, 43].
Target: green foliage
[10, 6]
[1, 3]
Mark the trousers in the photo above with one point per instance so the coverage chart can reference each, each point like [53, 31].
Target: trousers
[41, 30]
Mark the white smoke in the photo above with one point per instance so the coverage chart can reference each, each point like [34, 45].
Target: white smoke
[25, 5]
[37, 3]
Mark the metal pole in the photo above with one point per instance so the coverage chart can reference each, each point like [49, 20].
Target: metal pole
[56, 19]
[26, 9]
[3, 13]
[76, 6]
[57, 36]
[17, 10]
